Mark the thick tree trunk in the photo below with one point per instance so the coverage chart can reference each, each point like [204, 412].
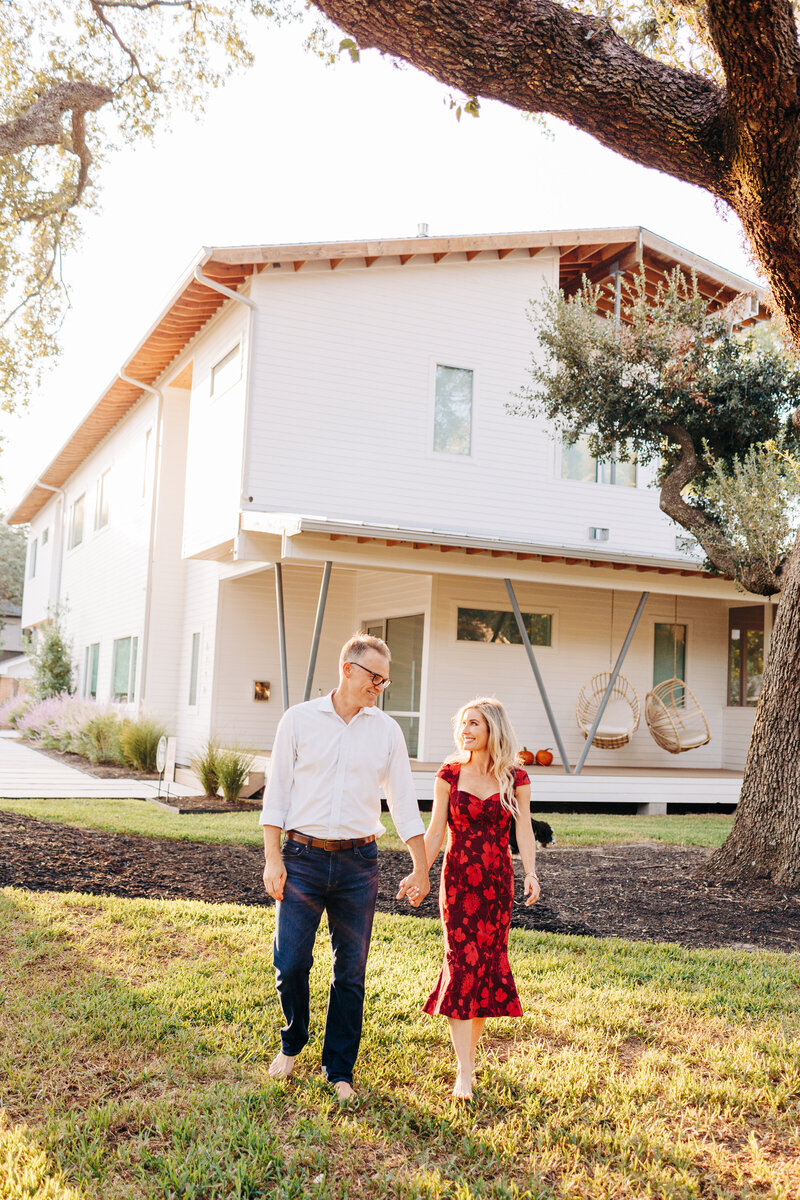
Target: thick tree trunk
[742, 144]
[765, 840]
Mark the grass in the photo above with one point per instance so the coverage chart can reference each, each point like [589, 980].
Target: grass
[134, 1039]
[571, 829]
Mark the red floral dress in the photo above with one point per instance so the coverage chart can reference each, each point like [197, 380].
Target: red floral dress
[476, 896]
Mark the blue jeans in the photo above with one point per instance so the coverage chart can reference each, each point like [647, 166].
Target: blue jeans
[344, 883]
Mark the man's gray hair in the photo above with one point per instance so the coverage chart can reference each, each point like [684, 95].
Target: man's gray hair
[357, 646]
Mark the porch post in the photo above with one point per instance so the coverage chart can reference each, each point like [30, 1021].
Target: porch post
[312, 658]
[282, 634]
[612, 681]
[526, 641]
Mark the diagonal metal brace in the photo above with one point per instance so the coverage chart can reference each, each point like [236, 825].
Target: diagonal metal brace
[312, 657]
[526, 641]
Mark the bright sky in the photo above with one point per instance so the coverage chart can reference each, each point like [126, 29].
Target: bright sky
[295, 151]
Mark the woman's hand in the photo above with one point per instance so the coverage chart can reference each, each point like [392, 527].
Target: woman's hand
[532, 889]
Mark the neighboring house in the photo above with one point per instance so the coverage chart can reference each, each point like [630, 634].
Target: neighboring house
[346, 403]
[14, 663]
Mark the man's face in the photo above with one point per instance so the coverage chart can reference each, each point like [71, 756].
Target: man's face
[357, 681]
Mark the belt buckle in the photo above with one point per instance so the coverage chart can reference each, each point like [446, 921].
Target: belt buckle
[330, 844]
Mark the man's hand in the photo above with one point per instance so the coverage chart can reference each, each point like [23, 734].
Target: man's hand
[274, 876]
[415, 887]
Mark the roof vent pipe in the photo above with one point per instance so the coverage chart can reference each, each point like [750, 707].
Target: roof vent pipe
[422, 229]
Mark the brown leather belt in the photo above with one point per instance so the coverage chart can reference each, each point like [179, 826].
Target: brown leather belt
[293, 835]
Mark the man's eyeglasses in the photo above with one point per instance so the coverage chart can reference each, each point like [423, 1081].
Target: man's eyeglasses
[378, 681]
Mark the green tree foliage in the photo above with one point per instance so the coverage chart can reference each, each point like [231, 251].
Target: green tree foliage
[13, 541]
[51, 655]
[79, 78]
[673, 382]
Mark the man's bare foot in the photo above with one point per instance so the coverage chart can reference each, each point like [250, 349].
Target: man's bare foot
[282, 1066]
[344, 1092]
[462, 1088]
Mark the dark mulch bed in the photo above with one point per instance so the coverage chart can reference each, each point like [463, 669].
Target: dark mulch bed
[643, 892]
[207, 804]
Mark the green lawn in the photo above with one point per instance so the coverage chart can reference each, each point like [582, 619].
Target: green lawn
[137, 816]
[134, 1037]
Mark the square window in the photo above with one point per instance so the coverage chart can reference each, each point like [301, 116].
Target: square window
[452, 422]
[578, 462]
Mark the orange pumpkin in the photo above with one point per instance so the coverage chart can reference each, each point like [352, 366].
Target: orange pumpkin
[527, 757]
[544, 757]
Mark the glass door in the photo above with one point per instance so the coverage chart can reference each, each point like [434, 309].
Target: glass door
[401, 700]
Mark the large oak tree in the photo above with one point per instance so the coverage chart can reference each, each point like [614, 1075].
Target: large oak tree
[709, 93]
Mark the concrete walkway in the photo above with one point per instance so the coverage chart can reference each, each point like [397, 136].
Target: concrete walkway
[27, 774]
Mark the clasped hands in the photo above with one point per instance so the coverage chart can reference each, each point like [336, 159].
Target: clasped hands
[414, 887]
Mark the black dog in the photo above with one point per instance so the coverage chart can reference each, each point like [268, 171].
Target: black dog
[541, 831]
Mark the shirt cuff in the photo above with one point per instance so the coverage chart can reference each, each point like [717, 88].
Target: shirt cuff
[271, 814]
[409, 829]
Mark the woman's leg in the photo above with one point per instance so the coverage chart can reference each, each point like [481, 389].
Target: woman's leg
[461, 1037]
[477, 1029]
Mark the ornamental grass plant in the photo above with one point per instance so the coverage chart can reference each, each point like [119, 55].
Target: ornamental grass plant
[206, 767]
[234, 766]
[138, 742]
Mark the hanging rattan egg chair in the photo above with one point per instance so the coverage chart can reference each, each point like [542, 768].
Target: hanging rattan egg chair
[675, 717]
[620, 718]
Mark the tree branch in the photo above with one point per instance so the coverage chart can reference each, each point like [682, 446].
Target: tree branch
[755, 577]
[42, 124]
[541, 57]
[97, 7]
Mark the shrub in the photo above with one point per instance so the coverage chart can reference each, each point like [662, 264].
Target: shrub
[206, 767]
[51, 655]
[234, 765]
[14, 709]
[138, 741]
[99, 739]
[56, 722]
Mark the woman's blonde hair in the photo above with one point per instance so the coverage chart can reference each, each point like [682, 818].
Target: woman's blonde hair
[502, 746]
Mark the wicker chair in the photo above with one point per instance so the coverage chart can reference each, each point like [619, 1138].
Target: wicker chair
[621, 716]
[674, 717]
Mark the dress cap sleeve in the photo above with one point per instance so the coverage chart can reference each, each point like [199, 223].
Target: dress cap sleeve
[521, 777]
[448, 772]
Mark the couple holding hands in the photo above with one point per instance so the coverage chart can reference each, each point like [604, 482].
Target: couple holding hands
[330, 759]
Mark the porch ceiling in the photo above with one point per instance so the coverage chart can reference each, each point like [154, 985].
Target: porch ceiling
[595, 253]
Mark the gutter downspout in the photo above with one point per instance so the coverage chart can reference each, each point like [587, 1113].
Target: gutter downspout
[158, 393]
[63, 496]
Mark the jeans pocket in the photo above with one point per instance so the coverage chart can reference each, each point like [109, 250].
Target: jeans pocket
[368, 853]
[293, 849]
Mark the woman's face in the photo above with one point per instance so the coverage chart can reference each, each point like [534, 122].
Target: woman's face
[474, 731]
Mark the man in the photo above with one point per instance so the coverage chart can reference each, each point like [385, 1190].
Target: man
[330, 758]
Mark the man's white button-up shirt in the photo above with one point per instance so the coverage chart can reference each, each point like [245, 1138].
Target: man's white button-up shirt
[326, 774]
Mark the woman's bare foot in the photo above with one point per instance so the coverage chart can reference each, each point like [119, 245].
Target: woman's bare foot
[282, 1066]
[462, 1088]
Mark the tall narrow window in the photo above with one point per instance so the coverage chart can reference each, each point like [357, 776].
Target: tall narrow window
[32, 556]
[578, 462]
[123, 674]
[101, 507]
[91, 664]
[227, 371]
[194, 668]
[452, 422]
[76, 522]
[46, 536]
[669, 655]
[745, 655]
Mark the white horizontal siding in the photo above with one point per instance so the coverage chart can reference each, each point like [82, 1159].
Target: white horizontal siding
[737, 729]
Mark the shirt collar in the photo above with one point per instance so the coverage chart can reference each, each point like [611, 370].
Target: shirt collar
[326, 704]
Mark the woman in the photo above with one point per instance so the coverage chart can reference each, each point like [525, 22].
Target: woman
[476, 797]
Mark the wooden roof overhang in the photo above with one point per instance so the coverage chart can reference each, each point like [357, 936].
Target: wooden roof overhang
[594, 253]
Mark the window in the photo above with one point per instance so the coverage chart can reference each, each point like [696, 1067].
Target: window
[578, 462]
[452, 421]
[745, 655]
[669, 655]
[91, 663]
[101, 507]
[193, 671]
[148, 441]
[76, 522]
[123, 676]
[32, 556]
[227, 371]
[45, 536]
[494, 625]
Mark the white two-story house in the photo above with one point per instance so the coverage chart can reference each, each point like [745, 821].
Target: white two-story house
[315, 439]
